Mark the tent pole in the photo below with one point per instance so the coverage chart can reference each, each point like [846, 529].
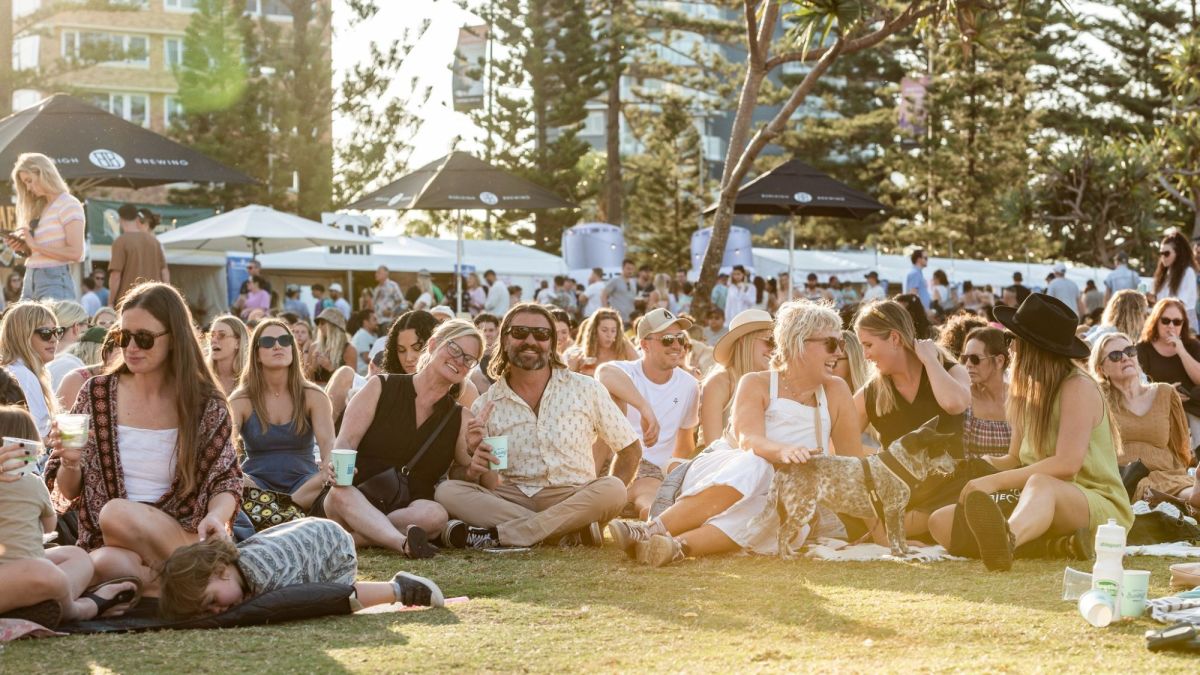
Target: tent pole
[350, 290]
[791, 257]
[458, 264]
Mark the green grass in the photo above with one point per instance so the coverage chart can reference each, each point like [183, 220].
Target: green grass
[587, 610]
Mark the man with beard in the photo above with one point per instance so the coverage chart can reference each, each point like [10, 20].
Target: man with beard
[661, 398]
[546, 487]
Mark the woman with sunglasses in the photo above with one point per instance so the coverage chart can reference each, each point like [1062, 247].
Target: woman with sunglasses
[915, 381]
[104, 317]
[1175, 275]
[388, 422]
[29, 336]
[1169, 352]
[159, 470]
[746, 348]
[602, 340]
[280, 417]
[332, 349]
[1149, 417]
[795, 410]
[228, 351]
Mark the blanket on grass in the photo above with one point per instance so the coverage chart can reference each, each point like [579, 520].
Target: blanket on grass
[836, 550]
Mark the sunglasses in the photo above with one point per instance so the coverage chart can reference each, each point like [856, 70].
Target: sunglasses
[269, 341]
[49, 334]
[1117, 354]
[459, 355]
[668, 340]
[769, 341]
[1165, 252]
[974, 359]
[522, 332]
[143, 338]
[1171, 322]
[833, 345]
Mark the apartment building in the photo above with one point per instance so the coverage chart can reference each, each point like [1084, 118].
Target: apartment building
[139, 87]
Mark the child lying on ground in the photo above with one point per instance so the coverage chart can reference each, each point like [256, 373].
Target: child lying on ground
[213, 576]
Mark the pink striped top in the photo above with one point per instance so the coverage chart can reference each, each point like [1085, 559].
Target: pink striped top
[52, 228]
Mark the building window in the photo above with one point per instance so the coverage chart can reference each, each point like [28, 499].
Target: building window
[593, 124]
[25, 52]
[132, 107]
[109, 48]
[172, 110]
[275, 8]
[181, 5]
[173, 52]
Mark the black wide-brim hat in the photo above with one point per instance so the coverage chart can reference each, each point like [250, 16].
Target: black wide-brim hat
[1045, 322]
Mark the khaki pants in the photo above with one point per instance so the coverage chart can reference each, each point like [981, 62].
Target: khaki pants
[524, 521]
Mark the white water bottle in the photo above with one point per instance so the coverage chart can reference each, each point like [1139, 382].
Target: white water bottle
[1110, 549]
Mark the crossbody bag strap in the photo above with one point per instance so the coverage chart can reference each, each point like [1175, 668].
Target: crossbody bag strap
[407, 468]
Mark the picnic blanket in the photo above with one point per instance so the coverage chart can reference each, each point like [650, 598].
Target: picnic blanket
[1175, 549]
[1183, 607]
[836, 550]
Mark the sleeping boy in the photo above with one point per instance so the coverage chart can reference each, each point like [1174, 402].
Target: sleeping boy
[212, 576]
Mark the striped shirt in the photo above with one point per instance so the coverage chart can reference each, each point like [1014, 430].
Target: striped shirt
[305, 551]
[52, 229]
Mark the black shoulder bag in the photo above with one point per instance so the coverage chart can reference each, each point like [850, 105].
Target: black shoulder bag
[388, 489]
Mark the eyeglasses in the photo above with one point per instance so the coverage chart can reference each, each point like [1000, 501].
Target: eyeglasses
[143, 338]
[668, 340]
[1170, 322]
[269, 341]
[522, 332]
[833, 345]
[769, 341]
[462, 357]
[1117, 354]
[974, 359]
[49, 334]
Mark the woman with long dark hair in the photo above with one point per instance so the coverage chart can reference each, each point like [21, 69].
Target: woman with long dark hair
[1175, 275]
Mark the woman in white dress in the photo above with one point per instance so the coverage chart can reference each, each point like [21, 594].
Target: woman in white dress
[794, 411]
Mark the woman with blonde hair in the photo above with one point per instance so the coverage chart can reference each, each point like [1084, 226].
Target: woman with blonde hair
[97, 351]
[1063, 456]
[1125, 313]
[332, 348]
[72, 318]
[795, 410]
[29, 336]
[602, 340]
[104, 317]
[279, 417]
[1149, 418]
[855, 370]
[662, 296]
[49, 233]
[746, 348]
[228, 351]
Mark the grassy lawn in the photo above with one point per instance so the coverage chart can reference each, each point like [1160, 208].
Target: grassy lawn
[587, 610]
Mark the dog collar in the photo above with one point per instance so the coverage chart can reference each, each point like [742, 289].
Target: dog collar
[889, 460]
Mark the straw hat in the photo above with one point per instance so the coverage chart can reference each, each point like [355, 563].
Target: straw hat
[334, 316]
[746, 322]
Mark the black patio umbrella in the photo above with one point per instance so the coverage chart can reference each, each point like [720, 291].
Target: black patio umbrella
[459, 181]
[92, 147]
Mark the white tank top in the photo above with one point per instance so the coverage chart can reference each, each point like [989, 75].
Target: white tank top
[794, 423]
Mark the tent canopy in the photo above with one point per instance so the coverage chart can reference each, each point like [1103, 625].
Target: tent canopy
[95, 147]
[259, 229]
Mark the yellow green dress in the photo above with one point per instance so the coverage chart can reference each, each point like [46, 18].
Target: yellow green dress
[1099, 479]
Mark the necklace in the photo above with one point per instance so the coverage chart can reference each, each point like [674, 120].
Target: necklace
[794, 390]
[276, 394]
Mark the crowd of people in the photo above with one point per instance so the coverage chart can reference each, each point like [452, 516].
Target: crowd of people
[205, 477]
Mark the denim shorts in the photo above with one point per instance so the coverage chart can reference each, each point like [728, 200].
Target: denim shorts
[48, 283]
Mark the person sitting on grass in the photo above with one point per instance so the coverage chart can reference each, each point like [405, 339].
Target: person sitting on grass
[39, 585]
[1063, 454]
[214, 576]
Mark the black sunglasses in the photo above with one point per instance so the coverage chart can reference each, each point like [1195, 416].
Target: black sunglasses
[49, 334]
[1165, 253]
[269, 341]
[668, 340]
[522, 332]
[833, 345]
[143, 338]
[1117, 354]
[974, 359]
[1170, 322]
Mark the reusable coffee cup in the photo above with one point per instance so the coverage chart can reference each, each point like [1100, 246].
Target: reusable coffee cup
[1097, 607]
[500, 450]
[25, 465]
[343, 466]
[73, 429]
[1075, 583]
[1135, 584]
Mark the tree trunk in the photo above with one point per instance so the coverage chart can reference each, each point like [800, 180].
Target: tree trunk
[6, 50]
[612, 123]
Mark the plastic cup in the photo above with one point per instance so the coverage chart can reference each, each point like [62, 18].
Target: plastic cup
[1075, 583]
[343, 466]
[500, 450]
[73, 429]
[23, 466]
[1097, 607]
[1135, 584]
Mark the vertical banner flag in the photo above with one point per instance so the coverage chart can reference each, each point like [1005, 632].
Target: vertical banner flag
[467, 76]
[912, 106]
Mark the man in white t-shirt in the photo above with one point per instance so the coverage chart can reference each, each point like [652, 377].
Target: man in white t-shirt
[592, 293]
[497, 298]
[660, 398]
[364, 337]
[875, 290]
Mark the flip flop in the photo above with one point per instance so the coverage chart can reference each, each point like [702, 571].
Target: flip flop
[417, 546]
[47, 613]
[124, 597]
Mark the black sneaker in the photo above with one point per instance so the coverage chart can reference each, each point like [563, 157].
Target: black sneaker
[454, 534]
[47, 613]
[417, 546]
[991, 532]
[415, 591]
[592, 535]
[481, 538]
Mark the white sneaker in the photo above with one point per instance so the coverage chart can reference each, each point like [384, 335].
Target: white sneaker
[626, 534]
[661, 550]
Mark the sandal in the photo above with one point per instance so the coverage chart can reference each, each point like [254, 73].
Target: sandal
[124, 597]
[991, 531]
[47, 613]
[417, 546]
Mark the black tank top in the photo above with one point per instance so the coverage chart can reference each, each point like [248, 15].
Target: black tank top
[906, 416]
[393, 437]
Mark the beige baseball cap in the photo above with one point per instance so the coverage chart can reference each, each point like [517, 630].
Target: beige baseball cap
[658, 320]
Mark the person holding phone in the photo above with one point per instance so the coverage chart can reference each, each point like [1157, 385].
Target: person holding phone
[50, 235]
